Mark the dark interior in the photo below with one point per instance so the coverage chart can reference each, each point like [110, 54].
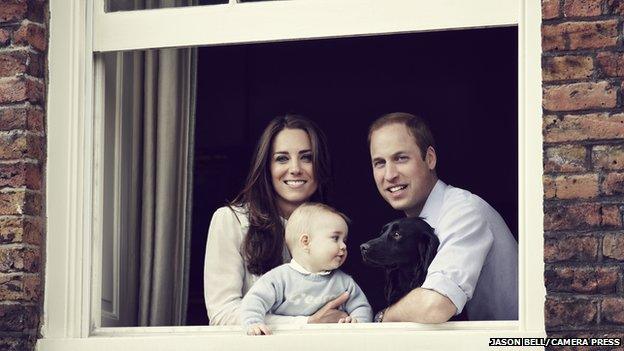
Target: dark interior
[463, 82]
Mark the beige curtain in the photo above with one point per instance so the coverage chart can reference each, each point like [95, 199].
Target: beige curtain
[160, 194]
[164, 197]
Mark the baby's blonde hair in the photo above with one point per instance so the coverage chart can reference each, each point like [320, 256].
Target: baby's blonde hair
[302, 220]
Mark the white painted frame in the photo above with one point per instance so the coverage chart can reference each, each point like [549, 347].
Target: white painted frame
[77, 31]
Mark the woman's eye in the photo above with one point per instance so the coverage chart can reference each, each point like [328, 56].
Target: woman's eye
[307, 157]
[281, 159]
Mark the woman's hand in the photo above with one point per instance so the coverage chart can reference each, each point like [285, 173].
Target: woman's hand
[330, 312]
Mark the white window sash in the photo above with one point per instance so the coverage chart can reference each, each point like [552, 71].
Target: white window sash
[71, 321]
[254, 22]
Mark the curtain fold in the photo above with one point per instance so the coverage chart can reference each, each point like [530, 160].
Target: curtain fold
[166, 172]
[163, 152]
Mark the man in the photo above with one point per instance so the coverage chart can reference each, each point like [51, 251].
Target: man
[476, 266]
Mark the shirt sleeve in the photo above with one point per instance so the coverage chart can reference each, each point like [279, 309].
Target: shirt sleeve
[465, 240]
[357, 306]
[224, 268]
[259, 300]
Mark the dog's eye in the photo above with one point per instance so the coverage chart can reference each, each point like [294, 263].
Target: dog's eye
[396, 236]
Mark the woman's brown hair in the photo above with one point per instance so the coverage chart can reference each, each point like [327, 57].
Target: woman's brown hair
[264, 242]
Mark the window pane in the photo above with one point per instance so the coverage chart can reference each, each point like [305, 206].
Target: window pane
[146, 133]
[465, 87]
[127, 5]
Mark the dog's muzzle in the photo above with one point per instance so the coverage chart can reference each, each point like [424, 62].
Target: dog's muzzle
[364, 248]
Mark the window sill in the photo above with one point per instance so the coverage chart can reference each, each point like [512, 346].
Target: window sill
[364, 336]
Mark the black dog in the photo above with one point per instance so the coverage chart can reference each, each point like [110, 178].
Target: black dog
[405, 249]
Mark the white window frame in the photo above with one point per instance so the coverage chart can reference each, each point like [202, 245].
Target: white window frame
[80, 28]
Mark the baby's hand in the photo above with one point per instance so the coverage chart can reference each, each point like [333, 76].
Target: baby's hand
[347, 319]
[258, 329]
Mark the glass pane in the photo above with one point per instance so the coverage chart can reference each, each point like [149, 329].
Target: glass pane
[127, 5]
[148, 99]
[463, 85]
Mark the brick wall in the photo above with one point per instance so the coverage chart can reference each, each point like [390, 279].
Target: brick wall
[583, 128]
[23, 41]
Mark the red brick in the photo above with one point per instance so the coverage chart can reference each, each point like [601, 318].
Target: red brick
[20, 62]
[580, 216]
[19, 287]
[594, 126]
[615, 7]
[20, 203]
[15, 343]
[613, 310]
[583, 334]
[588, 35]
[549, 187]
[552, 38]
[567, 67]
[13, 10]
[25, 230]
[31, 34]
[14, 145]
[16, 175]
[36, 10]
[582, 280]
[5, 37]
[550, 9]
[573, 248]
[580, 96]
[582, 8]
[12, 63]
[581, 35]
[611, 216]
[21, 89]
[565, 158]
[561, 311]
[613, 184]
[608, 157]
[575, 186]
[19, 259]
[25, 118]
[611, 63]
[613, 246]
[18, 318]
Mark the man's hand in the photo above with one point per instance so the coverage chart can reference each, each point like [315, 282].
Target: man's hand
[330, 312]
[258, 329]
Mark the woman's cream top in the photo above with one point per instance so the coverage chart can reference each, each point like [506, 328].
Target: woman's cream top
[226, 278]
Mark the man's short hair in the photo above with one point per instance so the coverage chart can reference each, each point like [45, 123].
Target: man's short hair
[416, 126]
[302, 220]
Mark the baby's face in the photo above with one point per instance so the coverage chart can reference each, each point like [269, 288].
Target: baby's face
[328, 242]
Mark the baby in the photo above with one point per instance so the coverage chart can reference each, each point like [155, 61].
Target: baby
[316, 236]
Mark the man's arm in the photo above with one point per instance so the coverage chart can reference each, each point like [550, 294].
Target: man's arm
[421, 306]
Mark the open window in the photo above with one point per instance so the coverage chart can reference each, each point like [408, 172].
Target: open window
[471, 66]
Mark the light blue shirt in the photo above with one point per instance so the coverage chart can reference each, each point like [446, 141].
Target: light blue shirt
[476, 266]
[290, 290]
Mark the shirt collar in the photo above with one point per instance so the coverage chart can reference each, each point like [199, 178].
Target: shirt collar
[431, 210]
[299, 268]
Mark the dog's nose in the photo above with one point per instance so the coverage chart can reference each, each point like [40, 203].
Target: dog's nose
[364, 247]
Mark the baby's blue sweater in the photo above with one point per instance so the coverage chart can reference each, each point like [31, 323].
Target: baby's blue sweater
[285, 291]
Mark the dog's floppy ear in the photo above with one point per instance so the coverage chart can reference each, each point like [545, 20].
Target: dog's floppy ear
[427, 247]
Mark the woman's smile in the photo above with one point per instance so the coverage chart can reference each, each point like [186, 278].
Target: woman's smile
[292, 169]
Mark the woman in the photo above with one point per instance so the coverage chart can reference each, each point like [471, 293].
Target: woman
[246, 238]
